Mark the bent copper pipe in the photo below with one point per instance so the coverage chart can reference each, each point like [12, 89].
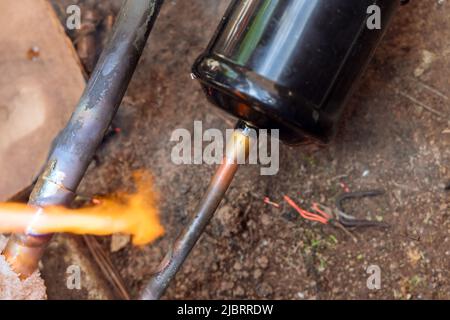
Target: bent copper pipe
[76, 144]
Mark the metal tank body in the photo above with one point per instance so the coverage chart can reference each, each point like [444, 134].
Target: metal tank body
[290, 64]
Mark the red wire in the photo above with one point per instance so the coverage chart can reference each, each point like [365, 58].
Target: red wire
[305, 214]
[316, 207]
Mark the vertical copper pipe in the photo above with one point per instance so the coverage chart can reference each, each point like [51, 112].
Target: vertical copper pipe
[166, 271]
[77, 143]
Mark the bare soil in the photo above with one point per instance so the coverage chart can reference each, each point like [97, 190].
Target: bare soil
[395, 136]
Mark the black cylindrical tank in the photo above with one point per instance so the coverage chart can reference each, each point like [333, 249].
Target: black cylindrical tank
[291, 64]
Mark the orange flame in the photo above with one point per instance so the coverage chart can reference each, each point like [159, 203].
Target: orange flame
[135, 214]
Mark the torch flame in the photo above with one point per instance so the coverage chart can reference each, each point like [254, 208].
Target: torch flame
[135, 214]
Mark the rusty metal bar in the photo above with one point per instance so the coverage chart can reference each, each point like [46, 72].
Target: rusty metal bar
[183, 245]
[77, 143]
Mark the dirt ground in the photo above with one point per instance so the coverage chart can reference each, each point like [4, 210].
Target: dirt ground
[396, 137]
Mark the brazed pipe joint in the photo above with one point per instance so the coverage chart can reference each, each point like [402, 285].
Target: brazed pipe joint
[77, 143]
[237, 150]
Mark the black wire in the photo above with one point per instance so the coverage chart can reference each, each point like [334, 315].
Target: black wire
[358, 223]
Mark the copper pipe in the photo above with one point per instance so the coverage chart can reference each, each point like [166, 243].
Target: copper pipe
[77, 143]
[166, 271]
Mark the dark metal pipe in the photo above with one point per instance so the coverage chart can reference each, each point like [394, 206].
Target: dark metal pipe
[219, 184]
[77, 143]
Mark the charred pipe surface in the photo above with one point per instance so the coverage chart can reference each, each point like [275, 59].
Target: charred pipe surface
[218, 186]
[77, 143]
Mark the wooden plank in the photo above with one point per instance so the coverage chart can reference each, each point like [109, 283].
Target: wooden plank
[40, 84]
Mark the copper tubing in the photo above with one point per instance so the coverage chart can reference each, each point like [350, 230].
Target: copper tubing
[183, 245]
[77, 143]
